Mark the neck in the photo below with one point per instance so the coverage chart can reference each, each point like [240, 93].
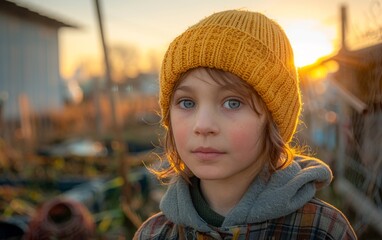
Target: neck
[223, 195]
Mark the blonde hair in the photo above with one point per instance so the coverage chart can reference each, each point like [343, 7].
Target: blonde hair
[275, 149]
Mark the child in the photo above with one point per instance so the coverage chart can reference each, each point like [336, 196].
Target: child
[230, 103]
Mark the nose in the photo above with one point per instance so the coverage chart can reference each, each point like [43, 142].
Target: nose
[206, 123]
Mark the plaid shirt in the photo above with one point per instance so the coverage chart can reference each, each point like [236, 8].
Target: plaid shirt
[315, 220]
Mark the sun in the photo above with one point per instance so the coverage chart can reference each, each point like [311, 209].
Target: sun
[309, 40]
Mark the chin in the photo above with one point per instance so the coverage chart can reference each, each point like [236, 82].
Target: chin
[208, 176]
[208, 172]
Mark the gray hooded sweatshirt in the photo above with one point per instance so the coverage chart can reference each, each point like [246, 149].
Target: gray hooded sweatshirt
[281, 206]
[286, 191]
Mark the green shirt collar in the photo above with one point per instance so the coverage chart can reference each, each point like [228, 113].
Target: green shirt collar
[202, 207]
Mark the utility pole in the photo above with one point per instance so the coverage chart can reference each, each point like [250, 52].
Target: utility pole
[344, 46]
[120, 150]
[107, 66]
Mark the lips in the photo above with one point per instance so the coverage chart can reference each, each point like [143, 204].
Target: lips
[207, 153]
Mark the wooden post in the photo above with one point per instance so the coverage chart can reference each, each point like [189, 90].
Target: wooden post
[120, 146]
[107, 66]
[343, 28]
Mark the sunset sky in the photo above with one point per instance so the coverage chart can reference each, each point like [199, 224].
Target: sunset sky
[150, 25]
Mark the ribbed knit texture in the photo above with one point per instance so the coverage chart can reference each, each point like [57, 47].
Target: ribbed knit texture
[244, 43]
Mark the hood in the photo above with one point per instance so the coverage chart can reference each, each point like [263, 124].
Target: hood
[283, 193]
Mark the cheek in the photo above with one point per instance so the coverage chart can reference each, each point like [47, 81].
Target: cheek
[180, 134]
[245, 138]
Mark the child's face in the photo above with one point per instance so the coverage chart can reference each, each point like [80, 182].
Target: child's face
[216, 131]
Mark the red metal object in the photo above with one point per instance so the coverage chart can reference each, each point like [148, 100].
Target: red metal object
[61, 218]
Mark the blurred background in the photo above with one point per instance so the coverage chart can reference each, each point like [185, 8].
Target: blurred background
[79, 113]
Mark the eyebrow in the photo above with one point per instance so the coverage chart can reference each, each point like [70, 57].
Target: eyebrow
[184, 88]
[222, 88]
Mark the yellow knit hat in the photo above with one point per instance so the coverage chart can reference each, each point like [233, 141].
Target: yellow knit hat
[247, 44]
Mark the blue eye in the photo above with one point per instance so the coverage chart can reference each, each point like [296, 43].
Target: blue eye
[232, 104]
[186, 104]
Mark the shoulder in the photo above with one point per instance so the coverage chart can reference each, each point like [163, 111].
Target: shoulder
[323, 219]
[157, 227]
